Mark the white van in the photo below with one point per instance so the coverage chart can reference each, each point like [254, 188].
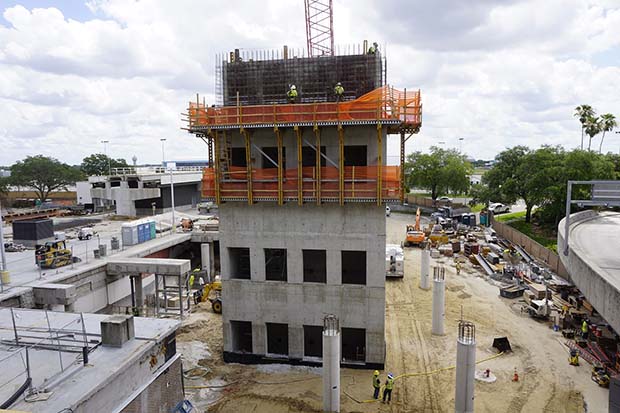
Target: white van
[85, 233]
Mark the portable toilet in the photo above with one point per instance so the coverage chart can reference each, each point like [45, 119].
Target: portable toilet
[153, 229]
[465, 219]
[141, 232]
[472, 219]
[129, 234]
[483, 218]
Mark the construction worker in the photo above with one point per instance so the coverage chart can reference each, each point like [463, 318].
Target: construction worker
[373, 49]
[292, 94]
[376, 384]
[458, 268]
[584, 329]
[191, 280]
[574, 358]
[338, 91]
[389, 385]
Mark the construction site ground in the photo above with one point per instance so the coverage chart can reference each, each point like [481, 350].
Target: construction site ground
[547, 383]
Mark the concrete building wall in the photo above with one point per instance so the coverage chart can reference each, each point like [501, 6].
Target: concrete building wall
[354, 227]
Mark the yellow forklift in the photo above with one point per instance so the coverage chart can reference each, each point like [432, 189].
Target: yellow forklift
[211, 290]
[54, 254]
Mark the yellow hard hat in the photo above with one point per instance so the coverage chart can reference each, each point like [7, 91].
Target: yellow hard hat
[376, 372]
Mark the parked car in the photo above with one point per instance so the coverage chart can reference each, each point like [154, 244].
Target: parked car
[498, 208]
[445, 199]
[388, 211]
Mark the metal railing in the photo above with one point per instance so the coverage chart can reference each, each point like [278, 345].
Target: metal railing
[152, 170]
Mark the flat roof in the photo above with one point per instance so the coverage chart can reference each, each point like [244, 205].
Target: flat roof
[73, 382]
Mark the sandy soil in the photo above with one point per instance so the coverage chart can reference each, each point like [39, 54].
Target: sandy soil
[547, 382]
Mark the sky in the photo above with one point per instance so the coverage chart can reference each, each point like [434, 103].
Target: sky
[496, 73]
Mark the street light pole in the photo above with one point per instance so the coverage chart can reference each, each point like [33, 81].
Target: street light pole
[163, 153]
[2, 252]
[174, 227]
[461, 145]
[105, 152]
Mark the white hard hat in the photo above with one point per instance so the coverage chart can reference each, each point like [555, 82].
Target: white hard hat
[338, 84]
[390, 376]
[293, 87]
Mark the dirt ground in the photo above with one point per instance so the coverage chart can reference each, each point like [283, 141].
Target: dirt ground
[547, 383]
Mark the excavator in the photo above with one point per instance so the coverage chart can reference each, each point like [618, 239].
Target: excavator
[414, 235]
[54, 254]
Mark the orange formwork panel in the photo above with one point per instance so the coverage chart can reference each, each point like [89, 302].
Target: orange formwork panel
[382, 104]
[360, 183]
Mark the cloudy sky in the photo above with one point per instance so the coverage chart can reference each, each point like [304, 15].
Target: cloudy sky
[495, 72]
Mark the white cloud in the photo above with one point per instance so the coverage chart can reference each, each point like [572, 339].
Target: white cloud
[497, 73]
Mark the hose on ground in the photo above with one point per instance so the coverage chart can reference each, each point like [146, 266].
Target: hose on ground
[427, 373]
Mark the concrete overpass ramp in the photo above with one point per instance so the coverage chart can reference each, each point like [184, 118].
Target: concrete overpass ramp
[593, 260]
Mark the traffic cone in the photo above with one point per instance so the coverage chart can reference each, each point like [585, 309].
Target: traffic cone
[515, 377]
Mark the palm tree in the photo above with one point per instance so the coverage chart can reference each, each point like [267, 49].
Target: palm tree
[608, 123]
[584, 112]
[592, 128]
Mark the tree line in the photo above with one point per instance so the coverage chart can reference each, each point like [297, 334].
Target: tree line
[46, 175]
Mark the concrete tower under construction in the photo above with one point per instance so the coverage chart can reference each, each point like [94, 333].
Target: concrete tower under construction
[301, 190]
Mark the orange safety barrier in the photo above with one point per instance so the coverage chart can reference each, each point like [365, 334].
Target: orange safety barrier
[384, 103]
[360, 182]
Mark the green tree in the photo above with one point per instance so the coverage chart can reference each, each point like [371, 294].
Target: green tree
[593, 127]
[43, 174]
[4, 185]
[583, 112]
[99, 164]
[608, 123]
[481, 194]
[441, 171]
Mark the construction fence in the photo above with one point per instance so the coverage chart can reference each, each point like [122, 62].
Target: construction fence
[382, 104]
[360, 182]
[550, 258]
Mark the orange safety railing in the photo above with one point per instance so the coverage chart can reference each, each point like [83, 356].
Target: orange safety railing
[384, 103]
[360, 182]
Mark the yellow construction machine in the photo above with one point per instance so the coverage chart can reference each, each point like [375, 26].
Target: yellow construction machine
[438, 235]
[211, 291]
[414, 235]
[54, 254]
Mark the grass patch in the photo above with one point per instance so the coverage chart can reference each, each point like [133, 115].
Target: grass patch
[543, 235]
[510, 217]
[477, 208]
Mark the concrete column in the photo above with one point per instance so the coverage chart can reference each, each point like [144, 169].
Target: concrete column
[208, 258]
[227, 336]
[439, 301]
[425, 280]
[295, 266]
[257, 264]
[331, 364]
[334, 267]
[259, 338]
[465, 368]
[295, 341]
[138, 291]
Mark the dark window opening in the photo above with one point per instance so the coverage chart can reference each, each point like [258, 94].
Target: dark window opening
[239, 263]
[353, 344]
[315, 266]
[237, 157]
[133, 183]
[241, 336]
[114, 184]
[355, 155]
[354, 267]
[272, 152]
[313, 341]
[275, 264]
[308, 156]
[277, 338]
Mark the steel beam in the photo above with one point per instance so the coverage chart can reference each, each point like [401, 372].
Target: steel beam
[300, 183]
[379, 163]
[280, 193]
[317, 134]
[341, 165]
[248, 161]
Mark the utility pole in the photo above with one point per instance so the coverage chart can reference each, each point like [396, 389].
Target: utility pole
[174, 227]
[461, 145]
[163, 153]
[105, 152]
[2, 252]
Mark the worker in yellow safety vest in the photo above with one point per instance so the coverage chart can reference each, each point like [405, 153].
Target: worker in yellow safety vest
[292, 94]
[458, 268]
[584, 329]
[389, 385]
[338, 91]
[373, 49]
[376, 383]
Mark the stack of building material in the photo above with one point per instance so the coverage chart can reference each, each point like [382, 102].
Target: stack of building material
[394, 261]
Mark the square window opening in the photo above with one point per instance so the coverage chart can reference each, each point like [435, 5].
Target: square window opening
[313, 341]
[353, 344]
[239, 260]
[354, 267]
[277, 338]
[275, 264]
[241, 336]
[315, 266]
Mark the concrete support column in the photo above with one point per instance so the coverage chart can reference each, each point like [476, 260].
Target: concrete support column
[227, 336]
[331, 364]
[334, 267]
[439, 301]
[425, 280]
[208, 258]
[257, 264]
[295, 341]
[295, 266]
[259, 338]
[138, 291]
